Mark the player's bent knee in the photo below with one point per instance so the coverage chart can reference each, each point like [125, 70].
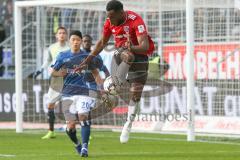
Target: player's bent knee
[83, 116]
[127, 57]
[136, 98]
[71, 124]
[51, 106]
[136, 91]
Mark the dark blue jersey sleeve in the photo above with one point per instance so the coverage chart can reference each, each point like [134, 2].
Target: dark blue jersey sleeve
[97, 63]
[59, 62]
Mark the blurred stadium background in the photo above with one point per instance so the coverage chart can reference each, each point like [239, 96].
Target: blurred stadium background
[217, 64]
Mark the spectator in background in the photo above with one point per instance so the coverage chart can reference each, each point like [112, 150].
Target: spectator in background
[2, 37]
[2, 11]
[8, 18]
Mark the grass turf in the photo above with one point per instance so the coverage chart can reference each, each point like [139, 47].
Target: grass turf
[106, 146]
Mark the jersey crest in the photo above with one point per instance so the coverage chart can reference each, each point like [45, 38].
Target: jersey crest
[131, 16]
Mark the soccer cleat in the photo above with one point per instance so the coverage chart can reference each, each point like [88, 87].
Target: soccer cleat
[125, 132]
[79, 149]
[49, 135]
[90, 138]
[84, 151]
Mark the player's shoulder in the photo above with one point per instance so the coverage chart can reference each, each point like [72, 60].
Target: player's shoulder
[133, 16]
[83, 52]
[64, 54]
[98, 59]
[53, 45]
[68, 51]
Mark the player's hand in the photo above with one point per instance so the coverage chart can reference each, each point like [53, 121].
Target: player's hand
[37, 73]
[63, 72]
[128, 44]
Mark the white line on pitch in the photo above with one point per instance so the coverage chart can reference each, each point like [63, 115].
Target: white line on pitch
[175, 139]
[7, 155]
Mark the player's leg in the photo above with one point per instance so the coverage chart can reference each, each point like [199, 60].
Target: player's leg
[85, 122]
[72, 134]
[137, 77]
[84, 104]
[104, 105]
[51, 120]
[71, 118]
[124, 61]
[54, 96]
[135, 96]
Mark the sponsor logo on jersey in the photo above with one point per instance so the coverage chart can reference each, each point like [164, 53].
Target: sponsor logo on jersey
[141, 28]
[126, 29]
[121, 36]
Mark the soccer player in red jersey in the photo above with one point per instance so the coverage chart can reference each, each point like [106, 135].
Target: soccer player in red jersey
[134, 45]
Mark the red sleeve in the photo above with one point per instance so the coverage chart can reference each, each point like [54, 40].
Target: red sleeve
[106, 29]
[139, 26]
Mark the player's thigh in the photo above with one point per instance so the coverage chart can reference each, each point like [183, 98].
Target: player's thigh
[56, 83]
[138, 71]
[136, 90]
[53, 96]
[84, 104]
[69, 109]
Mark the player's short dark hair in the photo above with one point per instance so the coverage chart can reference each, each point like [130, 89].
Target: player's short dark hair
[88, 36]
[63, 28]
[76, 33]
[114, 5]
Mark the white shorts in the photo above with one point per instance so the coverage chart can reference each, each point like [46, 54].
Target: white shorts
[55, 89]
[53, 95]
[77, 105]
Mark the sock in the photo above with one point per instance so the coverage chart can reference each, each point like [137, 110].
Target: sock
[51, 119]
[132, 110]
[85, 132]
[122, 71]
[72, 134]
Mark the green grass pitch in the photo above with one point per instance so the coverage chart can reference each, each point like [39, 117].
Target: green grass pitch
[105, 146]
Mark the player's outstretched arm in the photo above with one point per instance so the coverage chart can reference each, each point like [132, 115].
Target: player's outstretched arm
[37, 73]
[44, 66]
[106, 71]
[97, 77]
[59, 73]
[98, 48]
[143, 44]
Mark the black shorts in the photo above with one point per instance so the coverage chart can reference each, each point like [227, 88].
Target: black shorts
[138, 71]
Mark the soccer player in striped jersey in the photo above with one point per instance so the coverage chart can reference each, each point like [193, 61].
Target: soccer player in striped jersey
[56, 83]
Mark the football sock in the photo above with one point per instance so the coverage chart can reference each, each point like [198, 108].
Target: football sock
[85, 131]
[132, 110]
[51, 119]
[72, 134]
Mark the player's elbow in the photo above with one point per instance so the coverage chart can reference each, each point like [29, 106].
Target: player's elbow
[52, 72]
[101, 44]
[145, 46]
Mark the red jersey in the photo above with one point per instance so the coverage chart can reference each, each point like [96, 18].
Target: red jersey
[133, 25]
